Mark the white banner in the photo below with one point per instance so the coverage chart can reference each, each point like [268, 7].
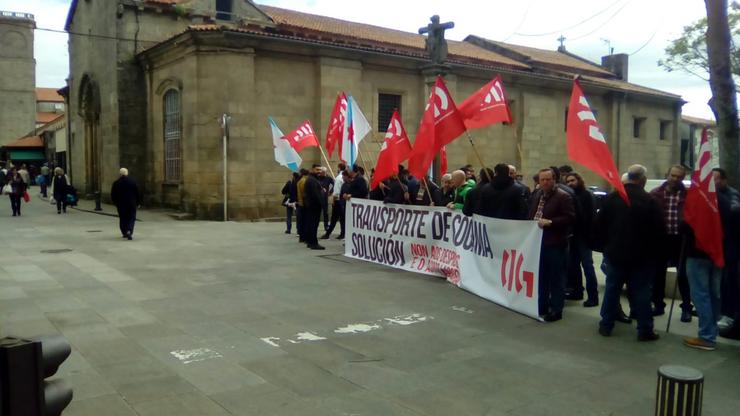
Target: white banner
[495, 259]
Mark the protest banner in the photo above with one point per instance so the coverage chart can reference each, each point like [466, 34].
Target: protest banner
[495, 259]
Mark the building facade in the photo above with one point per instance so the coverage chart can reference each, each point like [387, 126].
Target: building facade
[180, 65]
[18, 80]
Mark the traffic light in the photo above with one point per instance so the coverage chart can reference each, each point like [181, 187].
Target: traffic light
[24, 366]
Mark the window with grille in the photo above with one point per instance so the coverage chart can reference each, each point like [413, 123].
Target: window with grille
[172, 136]
[387, 104]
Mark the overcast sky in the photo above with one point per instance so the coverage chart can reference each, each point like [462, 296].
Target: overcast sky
[641, 28]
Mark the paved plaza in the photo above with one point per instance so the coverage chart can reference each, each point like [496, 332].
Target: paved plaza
[208, 318]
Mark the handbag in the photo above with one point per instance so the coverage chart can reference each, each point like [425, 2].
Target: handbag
[26, 197]
[7, 189]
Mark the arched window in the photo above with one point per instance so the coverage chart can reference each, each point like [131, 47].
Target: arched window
[172, 136]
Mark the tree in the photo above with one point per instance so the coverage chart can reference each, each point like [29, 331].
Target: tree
[706, 49]
[724, 97]
[688, 53]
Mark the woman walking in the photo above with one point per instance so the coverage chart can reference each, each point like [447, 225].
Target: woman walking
[17, 189]
[59, 189]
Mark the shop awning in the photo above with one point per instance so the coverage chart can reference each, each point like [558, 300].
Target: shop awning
[27, 155]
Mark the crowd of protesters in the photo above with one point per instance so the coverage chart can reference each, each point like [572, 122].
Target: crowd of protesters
[639, 240]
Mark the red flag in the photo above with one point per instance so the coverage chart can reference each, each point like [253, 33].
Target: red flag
[443, 160]
[303, 136]
[486, 106]
[440, 125]
[336, 124]
[586, 143]
[396, 149]
[701, 211]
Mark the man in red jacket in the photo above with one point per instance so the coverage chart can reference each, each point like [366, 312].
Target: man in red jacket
[554, 212]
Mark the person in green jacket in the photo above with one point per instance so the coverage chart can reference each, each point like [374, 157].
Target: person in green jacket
[462, 187]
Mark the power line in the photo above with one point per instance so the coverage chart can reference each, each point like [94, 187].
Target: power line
[575, 25]
[89, 35]
[521, 22]
[603, 24]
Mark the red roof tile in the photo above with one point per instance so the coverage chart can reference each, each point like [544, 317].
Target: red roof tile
[48, 95]
[44, 118]
[28, 141]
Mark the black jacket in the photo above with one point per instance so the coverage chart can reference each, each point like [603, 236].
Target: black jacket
[125, 194]
[421, 197]
[630, 235]
[313, 194]
[396, 192]
[358, 187]
[584, 215]
[501, 198]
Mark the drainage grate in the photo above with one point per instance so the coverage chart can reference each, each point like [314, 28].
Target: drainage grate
[56, 251]
[94, 231]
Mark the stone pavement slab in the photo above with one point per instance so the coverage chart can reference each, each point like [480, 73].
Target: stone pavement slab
[208, 318]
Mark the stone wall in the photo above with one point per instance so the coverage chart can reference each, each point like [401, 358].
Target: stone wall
[18, 80]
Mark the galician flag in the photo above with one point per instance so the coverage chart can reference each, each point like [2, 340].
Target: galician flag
[285, 155]
[354, 130]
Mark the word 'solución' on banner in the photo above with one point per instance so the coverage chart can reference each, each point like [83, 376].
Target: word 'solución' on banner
[302, 137]
[440, 124]
[587, 144]
[495, 259]
[336, 124]
[486, 106]
[701, 210]
[396, 148]
[285, 155]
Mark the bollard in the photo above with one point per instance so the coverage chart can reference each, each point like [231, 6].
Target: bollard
[97, 201]
[680, 391]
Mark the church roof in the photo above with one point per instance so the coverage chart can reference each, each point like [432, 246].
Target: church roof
[48, 95]
[474, 50]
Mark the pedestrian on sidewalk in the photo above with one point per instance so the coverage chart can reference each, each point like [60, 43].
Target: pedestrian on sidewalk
[43, 180]
[17, 188]
[125, 195]
[59, 188]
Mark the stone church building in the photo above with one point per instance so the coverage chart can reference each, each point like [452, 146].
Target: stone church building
[150, 79]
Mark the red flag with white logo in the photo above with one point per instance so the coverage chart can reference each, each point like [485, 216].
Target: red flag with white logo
[486, 106]
[440, 125]
[336, 124]
[396, 149]
[303, 136]
[587, 144]
[701, 211]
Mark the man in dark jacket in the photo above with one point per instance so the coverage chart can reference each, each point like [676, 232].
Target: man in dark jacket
[125, 195]
[728, 199]
[580, 255]
[630, 237]
[313, 202]
[553, 210]
[501, 198]
[395, 191]
[428, 195]
[671, 196]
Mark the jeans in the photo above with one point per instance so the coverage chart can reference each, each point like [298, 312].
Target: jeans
[43, 188]
[552, 279]
[311, 218]
[325, 214]
[126, 221]
[288, 218]
[581, 256]
[638, 279]
[299, 220]
[704, 280]
[337, 214]
[674, 249]
[15, 204]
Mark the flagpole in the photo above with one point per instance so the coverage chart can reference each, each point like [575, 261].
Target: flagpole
[480, 160]
[328, 165]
